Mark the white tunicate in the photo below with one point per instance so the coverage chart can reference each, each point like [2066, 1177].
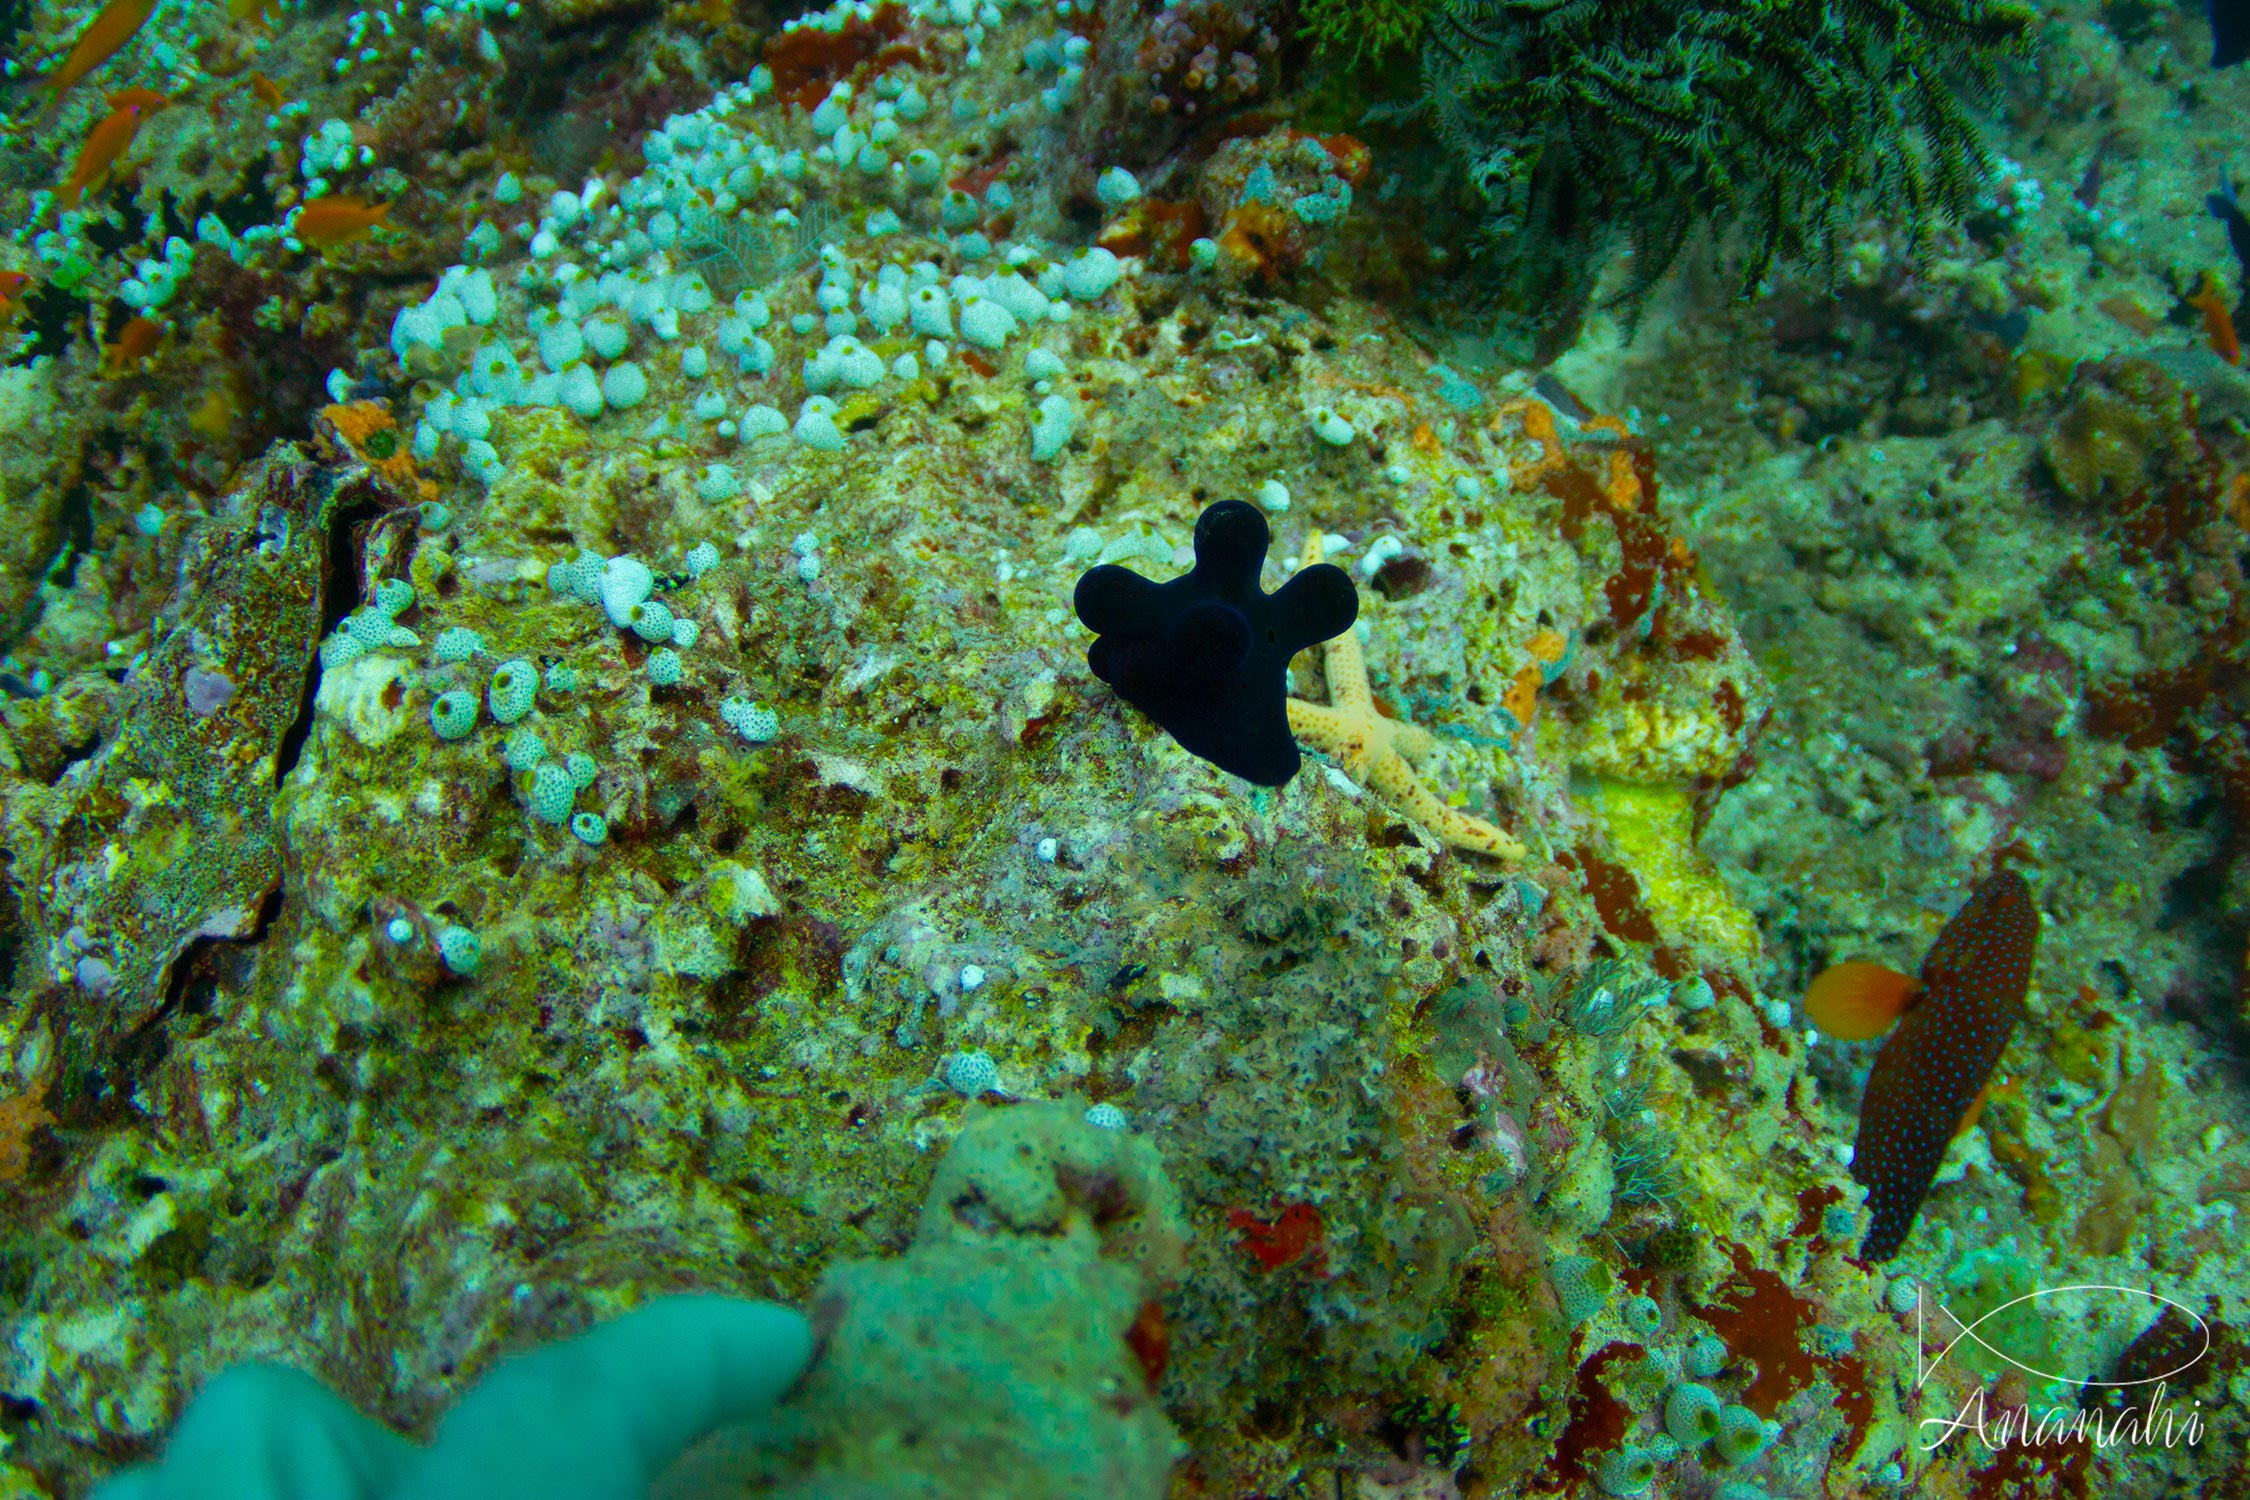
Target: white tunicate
[694, 363]
[985, 323]
[931, 313]
[816, 426]
[972, 1074]
[1044, 364]
[691, 297]
[1332, 429]
[581, 391]
[833, 112]
[762, 421]
[1090, 276]
[1117, 187]
[1273, 495]
[885, 306]
[1058, 421]
[606, 335]
[843, 361]
[623, 385]
[1022, 300]
[719, 482]
[494, 373]
[710, 406]
[646, 300]
[625, 582]
[480, 300]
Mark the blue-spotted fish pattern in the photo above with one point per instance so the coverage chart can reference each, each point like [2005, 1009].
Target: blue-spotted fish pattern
[1932, 1067]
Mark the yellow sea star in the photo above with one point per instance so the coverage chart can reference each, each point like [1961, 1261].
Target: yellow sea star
[1380, 751]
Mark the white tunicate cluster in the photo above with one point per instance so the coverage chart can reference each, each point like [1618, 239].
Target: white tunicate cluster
[816, 426]
[326, 151]
[843, 361]
[154, 281]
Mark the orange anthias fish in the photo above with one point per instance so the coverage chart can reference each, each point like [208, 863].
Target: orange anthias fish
[1930, 1077]
[103, 35]
[2218, 319]
[104, 144]
[336, 221]
[136, 341]
[148, 101]
[12, 284]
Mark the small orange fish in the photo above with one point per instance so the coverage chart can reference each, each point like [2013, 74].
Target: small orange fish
[136, 341]
[148, 101]
[333, 220]
[2218, 320]
[12, 284]
[103, 35]
[104, 144]
[267, 91]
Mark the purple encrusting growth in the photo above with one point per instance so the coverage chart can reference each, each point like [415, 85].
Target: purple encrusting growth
[1931, 1068]
[206, 692]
